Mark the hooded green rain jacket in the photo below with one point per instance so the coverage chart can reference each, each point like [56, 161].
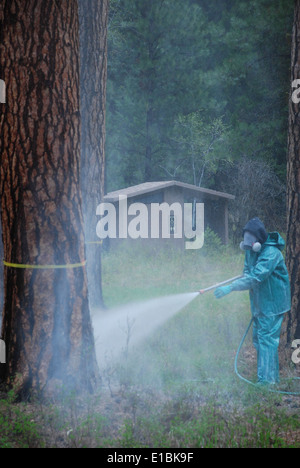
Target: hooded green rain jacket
[266, 276]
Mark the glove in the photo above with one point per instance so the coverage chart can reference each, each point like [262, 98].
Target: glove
[222, 291]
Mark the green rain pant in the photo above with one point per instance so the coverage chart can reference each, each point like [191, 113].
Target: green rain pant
[266, 336]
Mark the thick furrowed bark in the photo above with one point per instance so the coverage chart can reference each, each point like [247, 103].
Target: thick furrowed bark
[93, 58]
[46, 320]
[291, 326]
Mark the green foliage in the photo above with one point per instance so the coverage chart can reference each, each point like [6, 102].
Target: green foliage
[17, 430]
[213, 427]
[213, 245]
[182, 72]
[202, 145]
[153, 77]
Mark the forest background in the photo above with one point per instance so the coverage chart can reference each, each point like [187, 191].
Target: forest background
[198, 91]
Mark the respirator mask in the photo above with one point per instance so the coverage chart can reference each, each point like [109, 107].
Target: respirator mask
[250, 242]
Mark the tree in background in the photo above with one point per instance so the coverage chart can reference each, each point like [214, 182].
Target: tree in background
[154, 66]
[250, 45]
[46, 321]
[292, 323]
[199, 143]
[171, 59]
[258, 191]
[93, 59]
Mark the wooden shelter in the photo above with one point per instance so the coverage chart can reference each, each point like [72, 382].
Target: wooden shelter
[215, 204]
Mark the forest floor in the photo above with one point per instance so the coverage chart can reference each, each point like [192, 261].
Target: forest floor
[178, 387]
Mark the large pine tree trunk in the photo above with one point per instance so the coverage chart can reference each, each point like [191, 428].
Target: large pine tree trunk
[1, 277]
[93, 56]
[46, 319]
[292, 322]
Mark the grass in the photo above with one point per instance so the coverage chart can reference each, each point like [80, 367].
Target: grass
[18, 430]
[177, 388]
[202, 338]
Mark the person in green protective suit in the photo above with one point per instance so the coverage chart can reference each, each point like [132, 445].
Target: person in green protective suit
[266, 277]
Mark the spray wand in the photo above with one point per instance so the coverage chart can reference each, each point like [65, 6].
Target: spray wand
[202, 291]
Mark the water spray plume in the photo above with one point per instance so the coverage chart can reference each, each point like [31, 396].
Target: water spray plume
[127, 326]
[130, 324]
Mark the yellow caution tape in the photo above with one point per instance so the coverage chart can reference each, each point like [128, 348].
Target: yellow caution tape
[43, 267]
